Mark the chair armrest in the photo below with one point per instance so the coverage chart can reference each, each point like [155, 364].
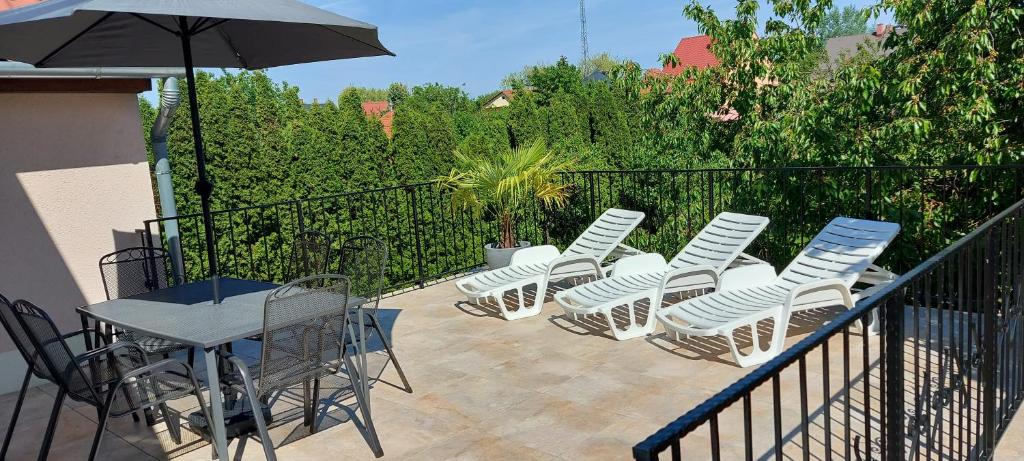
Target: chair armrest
[82, 359]
[238, 363]
[535, 255]
[754, 275]
[564, 261]
[161, 366]
[646, 262]
[689, 271]
[98, 333]
[810, 288]
[622, 251]
[109, 349]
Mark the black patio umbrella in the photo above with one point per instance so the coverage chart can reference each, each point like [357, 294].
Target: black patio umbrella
[246, 34]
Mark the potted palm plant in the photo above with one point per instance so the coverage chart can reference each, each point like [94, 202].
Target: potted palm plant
[503, 186]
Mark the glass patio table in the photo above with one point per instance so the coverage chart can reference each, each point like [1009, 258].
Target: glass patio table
[186, 314]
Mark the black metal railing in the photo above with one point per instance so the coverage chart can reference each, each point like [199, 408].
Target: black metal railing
[941, 381]
[428, 240]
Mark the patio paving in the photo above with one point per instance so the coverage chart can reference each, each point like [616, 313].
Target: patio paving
[540, 388]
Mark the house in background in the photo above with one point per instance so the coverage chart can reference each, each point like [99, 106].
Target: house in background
[839, 48]
[596, 76]
[75, 183]
[695, 52]
[381, 110]
[690, 52]
[500, 99]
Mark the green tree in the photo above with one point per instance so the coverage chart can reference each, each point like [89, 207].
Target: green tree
[489, 135]
[423, 142]
[547, 81]
[397, 93]
[603, 62]
[524, 120]
[838, 23]
[369, 94]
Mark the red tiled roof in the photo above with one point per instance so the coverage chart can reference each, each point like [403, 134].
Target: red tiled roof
[691, 52]
[12, 4]
[375, 107]
[381, 110]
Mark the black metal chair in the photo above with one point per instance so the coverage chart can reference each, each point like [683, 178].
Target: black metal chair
[35, 365]
[116, 379]
[364, 260]
[311, 254]
[133, 271]
[303, 329]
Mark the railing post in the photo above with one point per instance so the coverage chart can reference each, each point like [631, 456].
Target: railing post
[301, 221]
[892, 319]
[989, 339]
[869, 183]
[416, 234]
[593, 204]
[711, 195]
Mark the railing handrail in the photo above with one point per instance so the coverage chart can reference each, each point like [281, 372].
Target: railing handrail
[293, 201]
[703, 413]
[570, 173]
[811, 168]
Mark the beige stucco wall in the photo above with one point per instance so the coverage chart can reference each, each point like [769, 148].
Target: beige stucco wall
[498, 102]
[75, 185]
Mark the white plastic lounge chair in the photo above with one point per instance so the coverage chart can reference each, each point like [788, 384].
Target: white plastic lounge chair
[822, 275]
[542, 265]
[717, 247]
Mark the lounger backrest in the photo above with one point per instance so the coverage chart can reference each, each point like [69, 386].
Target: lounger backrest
[720, 242]
[604, 234]
[842, 250]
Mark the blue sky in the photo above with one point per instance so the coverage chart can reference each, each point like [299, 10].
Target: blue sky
[474, 44]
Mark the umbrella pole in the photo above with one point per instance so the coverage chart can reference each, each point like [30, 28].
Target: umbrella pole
[203, 186]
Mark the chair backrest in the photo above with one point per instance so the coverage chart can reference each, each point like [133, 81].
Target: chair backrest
[842, 250]
[49, 346]
[364, 260]
[302, 320]
[311, 253]
[720, 242]
[136, 270]
[604, 234]
[9, 318]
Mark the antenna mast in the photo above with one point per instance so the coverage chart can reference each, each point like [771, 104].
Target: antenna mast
[583, 37]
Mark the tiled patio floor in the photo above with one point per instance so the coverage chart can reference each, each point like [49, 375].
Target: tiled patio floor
[488, 389]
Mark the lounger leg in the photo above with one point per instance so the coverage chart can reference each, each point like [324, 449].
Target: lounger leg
[757, 355]
[542, 294]
[500, 299]
[17, 410]
[634, 329]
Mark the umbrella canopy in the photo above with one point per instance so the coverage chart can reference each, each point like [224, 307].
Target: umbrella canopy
[183, 33]
[146, 33]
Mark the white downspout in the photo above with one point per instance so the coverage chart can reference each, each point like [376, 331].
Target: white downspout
[169, 100]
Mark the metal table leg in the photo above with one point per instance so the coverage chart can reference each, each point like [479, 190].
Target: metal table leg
[216, 427]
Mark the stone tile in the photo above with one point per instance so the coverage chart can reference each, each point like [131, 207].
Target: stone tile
[35, 410]
[476, 445]
[553, 425]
